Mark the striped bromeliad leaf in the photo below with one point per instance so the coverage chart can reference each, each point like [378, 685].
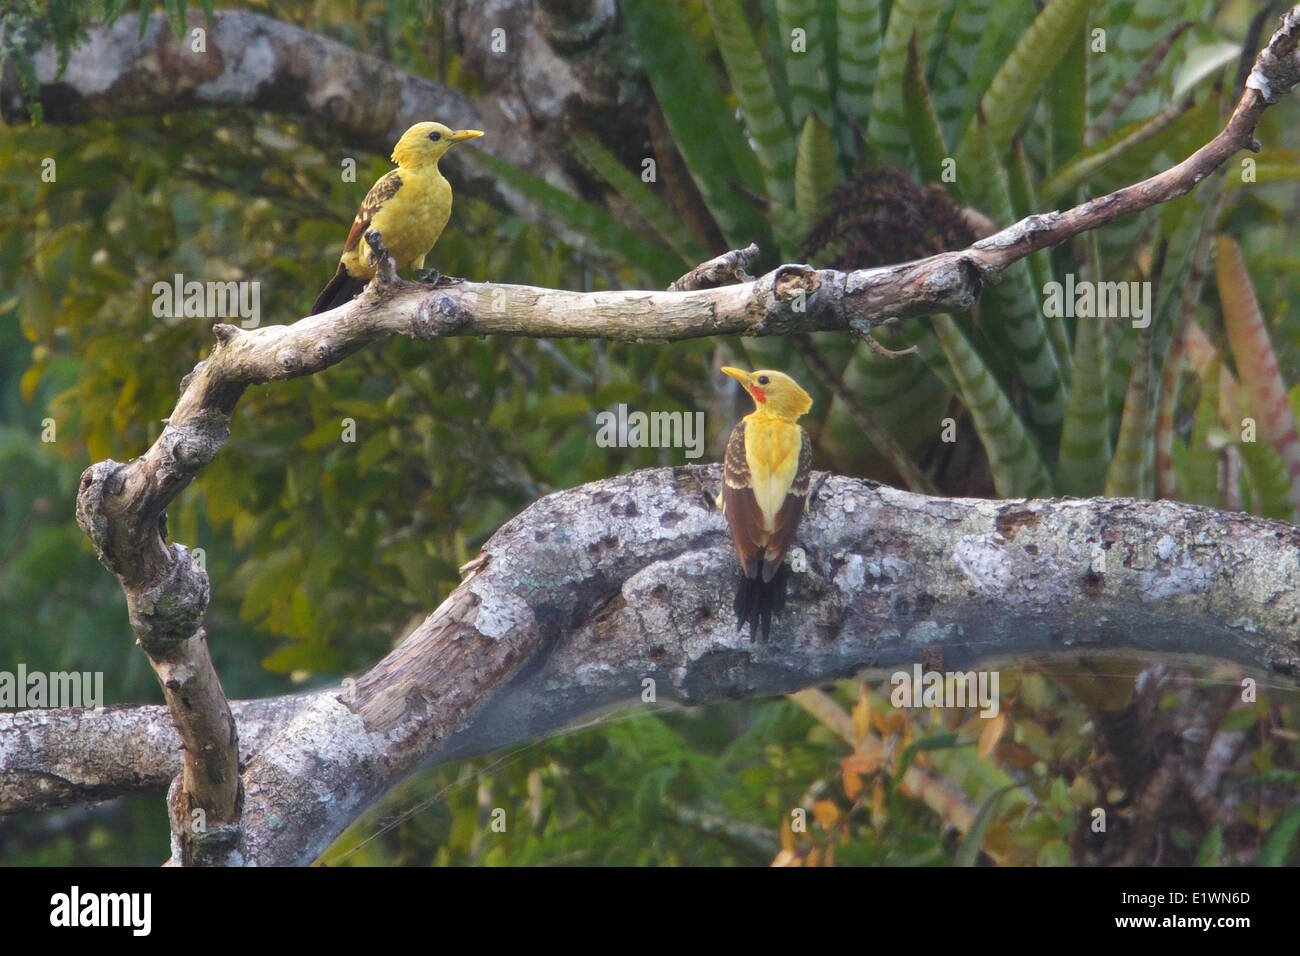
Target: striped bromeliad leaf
[769, 126]
[1266, 392]
[1126, 477]
[1199, 482]
[806, 70]
[1014, 461]
[922, 122]
[886, 125]
[952, 74]
[815, 172]
[1270, 485]
[1020, 78]
[857, 23]
[1085, 437]
[641, 198]
[714, 148]
[1013, 304]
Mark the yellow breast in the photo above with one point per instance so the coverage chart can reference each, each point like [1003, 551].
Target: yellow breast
[772, 453]
[411, 221]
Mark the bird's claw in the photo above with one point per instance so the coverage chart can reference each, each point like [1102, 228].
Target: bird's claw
[435, 278]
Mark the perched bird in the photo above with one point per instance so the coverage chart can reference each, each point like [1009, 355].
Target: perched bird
[409, 206]
[765, 490]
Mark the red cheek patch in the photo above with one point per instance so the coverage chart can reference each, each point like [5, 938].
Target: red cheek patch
[759, 394]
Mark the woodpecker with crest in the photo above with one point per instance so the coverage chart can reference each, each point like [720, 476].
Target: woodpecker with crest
[409, 206]
[765, 491]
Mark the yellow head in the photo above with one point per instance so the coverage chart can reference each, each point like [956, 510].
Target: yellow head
[424, 143]
[774, 393]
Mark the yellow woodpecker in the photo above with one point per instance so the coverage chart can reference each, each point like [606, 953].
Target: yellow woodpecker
[765, 490]
[409, 206]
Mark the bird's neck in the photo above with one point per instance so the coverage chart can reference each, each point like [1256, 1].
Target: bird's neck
[764, 415]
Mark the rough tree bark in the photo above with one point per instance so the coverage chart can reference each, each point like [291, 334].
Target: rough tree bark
[578, 600]
[569, 67]
[586, 594]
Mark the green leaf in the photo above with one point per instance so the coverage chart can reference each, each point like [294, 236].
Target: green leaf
[886, 125]
[814, 172]
[969, 851]
[970, 20]
[768, 124]
[922, 123]
[857, 23]
[1021, 76]
[588, 220]
[806, 72]
[1126, 476]
[1014, 461]
[641, 197]
[1270, 484]
[699, 118]
[1277, 846]
[1011, 308]
[1211, 851]
[1085, 437]
[1067, 92]
[1200, 479]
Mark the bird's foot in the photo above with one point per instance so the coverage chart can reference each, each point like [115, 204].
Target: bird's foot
[435, 278]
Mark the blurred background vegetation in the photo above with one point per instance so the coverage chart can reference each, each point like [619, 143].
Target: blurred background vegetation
[827, 146]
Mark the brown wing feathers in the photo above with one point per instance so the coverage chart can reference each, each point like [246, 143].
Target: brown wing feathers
[791, 513]
[380, 193]
[743, 516]
[762, 554]
[344, 287]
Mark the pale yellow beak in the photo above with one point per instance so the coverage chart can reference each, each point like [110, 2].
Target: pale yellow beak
[463, 134]
[739, 375]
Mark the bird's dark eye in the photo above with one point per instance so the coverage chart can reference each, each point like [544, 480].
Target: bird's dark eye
[435, 136]
[762, 380]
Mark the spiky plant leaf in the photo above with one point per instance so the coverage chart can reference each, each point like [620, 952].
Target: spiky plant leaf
[887, 127]
[857, 23]
[1018, 81]
[1252, 350]
[922, 123]
[641, 198]
[1085, 437]
[1126, 475]
[807, 70]
[1012, 306]
[814, 172]
[1014, 461]
[714, 147]
[769, 126]
[970, 18]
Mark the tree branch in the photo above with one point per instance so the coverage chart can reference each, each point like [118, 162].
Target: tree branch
[253, 61]
[642, 568]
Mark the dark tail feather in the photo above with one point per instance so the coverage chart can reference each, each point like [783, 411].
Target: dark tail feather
[342, 288]
[757, 600]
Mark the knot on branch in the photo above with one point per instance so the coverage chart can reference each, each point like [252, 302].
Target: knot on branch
[97, 481]
[169, 611]
[188, 447]
[203, 842]
[958, 282]
[1277, 68]
[720, 270]
[793, 294]
[437, 315]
